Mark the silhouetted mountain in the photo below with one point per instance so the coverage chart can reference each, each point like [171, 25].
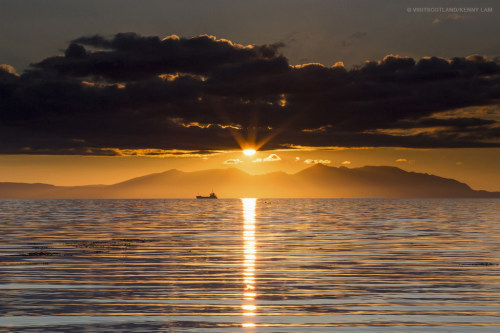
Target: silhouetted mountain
[316, 181]
[381, 181]
[25, 190]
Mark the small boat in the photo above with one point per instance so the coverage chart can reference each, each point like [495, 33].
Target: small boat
[211, 196]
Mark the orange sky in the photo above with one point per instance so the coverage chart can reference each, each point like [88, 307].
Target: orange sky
[476, 167]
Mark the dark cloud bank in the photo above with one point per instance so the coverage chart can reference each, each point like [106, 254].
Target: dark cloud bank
[132, 92]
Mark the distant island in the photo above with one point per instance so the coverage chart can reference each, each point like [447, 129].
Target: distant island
[318, 181]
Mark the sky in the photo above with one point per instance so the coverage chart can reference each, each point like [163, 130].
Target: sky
[101, 91]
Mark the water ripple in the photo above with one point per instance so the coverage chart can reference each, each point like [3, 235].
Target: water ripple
[299, 265]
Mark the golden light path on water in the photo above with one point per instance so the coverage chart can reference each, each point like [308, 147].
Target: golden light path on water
[250, 255]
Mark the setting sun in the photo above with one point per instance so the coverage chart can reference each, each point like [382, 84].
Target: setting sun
[249, 152]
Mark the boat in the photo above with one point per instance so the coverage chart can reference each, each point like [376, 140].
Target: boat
[211, 196]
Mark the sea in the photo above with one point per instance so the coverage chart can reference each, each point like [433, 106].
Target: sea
[250, 265]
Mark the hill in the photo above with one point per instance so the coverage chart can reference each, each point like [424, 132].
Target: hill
[318, 181]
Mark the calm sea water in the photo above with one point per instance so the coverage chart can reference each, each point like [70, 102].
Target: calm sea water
[250, 265]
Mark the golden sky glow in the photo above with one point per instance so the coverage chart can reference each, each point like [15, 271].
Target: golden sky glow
[476, 167]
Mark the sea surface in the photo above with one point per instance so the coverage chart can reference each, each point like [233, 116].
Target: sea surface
[250, 265]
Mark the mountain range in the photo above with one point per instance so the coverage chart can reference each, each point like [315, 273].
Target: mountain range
[318, 181]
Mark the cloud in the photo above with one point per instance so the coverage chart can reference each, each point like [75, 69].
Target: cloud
[233, 161]
[160, 153]
[402, 160]
[310, 161]
[128, 56]
[346, 163]
[132, 92]
[7, 70]
[272, 158]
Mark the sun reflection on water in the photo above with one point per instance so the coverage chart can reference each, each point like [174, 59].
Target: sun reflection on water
[249, 251]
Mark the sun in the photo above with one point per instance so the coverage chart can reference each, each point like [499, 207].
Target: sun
[249, 152]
